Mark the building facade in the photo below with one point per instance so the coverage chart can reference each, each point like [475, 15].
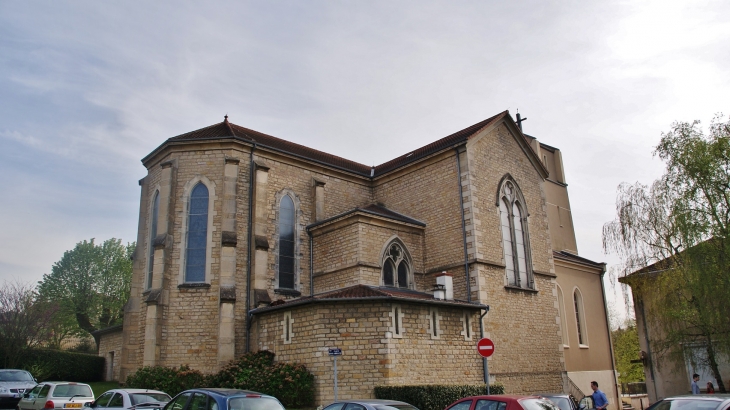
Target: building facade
[249, 242]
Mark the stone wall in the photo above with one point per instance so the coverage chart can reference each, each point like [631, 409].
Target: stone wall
[110, 348]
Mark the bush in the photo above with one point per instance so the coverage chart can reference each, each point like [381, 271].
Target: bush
[292, 384]
[170, 380]
[433, 397]
[62, 365]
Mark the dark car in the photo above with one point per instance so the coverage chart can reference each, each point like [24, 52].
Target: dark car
[370, 404]
[693, 402]
[223, 399]
[503, 402]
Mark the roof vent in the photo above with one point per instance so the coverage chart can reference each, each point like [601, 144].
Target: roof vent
[444, 288]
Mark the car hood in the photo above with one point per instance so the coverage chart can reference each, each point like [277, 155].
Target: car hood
[18, 385]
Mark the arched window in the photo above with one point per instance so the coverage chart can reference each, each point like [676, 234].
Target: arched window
[396, 266]
[563, 319]
[513, 221]
[286, 243]
[197, 240]
[580, 318]
[153, 234]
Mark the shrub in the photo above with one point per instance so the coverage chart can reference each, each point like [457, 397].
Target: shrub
[170, 380]
[433, 397]
[61, 365]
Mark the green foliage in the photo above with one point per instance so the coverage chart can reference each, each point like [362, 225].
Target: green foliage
[626, 348]
[91, 283]
[433, 397]
[292, 384]
[170, 380]
[61, 365]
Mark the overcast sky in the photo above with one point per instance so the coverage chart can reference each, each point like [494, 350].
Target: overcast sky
[88, 88]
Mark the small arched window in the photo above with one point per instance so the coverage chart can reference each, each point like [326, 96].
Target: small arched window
[396, 267]
[286, 243]
[580, 318]
[197, 240]
[563, 318]
[153, 235]
[513, 224]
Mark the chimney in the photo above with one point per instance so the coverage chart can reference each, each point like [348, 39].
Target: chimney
[444, 289]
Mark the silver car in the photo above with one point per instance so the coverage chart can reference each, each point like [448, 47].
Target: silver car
[57, 395]
[125, 399]
[370, 404]
[13, 384]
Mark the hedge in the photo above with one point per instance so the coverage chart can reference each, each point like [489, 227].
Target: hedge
[434, 397]
[292, 384]
[62, 365]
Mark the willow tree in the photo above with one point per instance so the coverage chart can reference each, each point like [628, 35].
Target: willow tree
[674, 237]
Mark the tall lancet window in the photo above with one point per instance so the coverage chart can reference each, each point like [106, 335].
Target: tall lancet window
[197, 240]
[286, 243]
[153, 234]
[396, 266]
[513, 221]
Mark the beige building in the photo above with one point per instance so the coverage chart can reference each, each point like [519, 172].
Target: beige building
[249, 242]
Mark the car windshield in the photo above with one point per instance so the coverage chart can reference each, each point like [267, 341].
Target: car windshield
[562, 402]
[254, 403]
[147, 397]
[395, 407]
[688, 404]
[538, 404]
[68, 390]
[15, 376]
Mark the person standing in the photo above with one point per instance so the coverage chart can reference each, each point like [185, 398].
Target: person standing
[599, 398]
[695, 386]
[710, 388]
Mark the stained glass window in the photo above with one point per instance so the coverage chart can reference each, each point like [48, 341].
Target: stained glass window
[396, 268]
[514, 236]
[286, 243]
[197, 242]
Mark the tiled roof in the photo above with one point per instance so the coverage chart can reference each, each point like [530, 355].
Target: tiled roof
[226, 129]
[364, 292]
[373, 209]
[575, 258]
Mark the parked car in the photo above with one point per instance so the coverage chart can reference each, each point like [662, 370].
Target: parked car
[567, 401]
[370, 404]
[57, 395]
[223, 399]
[693, 402]
[503, 402]
[131, 399]
[13, 384]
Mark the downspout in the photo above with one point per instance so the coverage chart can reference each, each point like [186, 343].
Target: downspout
[251, 170]
[463, 232]
[311, 263]
[610, 341]
[485, 366]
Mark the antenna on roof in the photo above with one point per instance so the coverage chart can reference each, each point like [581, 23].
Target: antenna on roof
[520, 119]
[225, 118]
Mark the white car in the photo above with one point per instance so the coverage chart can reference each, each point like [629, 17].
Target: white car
[125, 399]
[13, 384]
[57, 395]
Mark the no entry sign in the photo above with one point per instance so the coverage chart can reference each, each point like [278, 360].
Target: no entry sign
[485, 347]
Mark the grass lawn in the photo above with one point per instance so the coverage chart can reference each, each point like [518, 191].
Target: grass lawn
[101, 387]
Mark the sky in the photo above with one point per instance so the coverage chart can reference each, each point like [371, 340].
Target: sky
[89, 88]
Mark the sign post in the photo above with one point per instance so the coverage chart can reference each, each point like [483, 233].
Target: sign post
[334, 352]
[485, 347]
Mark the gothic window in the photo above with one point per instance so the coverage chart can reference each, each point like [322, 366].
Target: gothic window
[580, 318]
[153, 234]
[396, 266]
[513, 221]
[286, 243]
[197, 240]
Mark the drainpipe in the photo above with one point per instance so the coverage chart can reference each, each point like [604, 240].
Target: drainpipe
[251, 170]
[485, 366]
[463, 232]
[311, 263]
[610, 342]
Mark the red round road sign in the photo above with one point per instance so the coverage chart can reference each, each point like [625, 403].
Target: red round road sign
[485, 347]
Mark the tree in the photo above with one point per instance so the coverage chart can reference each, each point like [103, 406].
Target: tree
[676, 233]
[24, 321]
[92, 282]
[626, 348]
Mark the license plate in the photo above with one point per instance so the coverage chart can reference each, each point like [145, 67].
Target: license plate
[72, 406]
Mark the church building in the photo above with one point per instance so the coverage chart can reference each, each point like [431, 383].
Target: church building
[249, 242]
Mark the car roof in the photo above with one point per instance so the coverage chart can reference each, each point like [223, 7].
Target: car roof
[373, 401]
[56, 383]
[137, 391]
[714, 397]
[229, 392]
